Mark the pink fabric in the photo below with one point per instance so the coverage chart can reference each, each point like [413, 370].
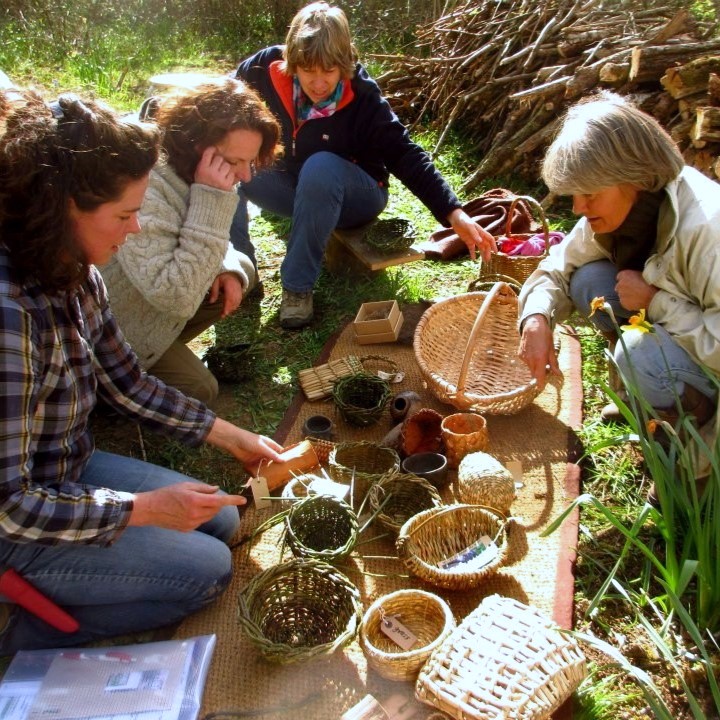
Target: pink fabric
[533, 246]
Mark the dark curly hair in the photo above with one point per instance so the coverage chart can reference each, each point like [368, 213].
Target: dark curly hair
[51, 154]
[193, 120]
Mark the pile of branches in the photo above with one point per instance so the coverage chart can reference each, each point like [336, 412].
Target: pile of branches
[504, 71]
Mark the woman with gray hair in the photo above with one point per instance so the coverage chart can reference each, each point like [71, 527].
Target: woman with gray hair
[648, 240]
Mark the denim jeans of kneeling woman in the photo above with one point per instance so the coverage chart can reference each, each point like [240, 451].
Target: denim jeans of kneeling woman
[149, 577]
[329, 193]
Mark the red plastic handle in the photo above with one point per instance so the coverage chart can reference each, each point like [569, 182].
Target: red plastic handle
[20, 591]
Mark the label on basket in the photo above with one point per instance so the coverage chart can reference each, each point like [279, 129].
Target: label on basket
[397, 632]
[473, 557]
[261, 494]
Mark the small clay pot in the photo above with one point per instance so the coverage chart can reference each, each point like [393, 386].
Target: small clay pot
[404, 404]
[318, 426]
[429, 465]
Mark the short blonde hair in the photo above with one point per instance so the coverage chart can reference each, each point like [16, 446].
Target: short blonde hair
[606, 141]
[319, 36]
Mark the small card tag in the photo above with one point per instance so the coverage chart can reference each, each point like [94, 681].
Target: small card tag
[516, 470]
[397, 632]
[260, 492]
[473, 557]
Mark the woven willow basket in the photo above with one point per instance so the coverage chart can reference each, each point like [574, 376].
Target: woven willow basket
[436, 535]
[518, 267]
[484, 374]
[504, 660]
[322, 527]
[361, 398]
[462, 434]
[396, 497]
[299, 610]
[483, 480]
[424, 614]
[361, 464]
[390, 235]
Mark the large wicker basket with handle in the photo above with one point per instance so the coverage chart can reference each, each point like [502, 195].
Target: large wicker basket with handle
[518, 267]
[466, 347]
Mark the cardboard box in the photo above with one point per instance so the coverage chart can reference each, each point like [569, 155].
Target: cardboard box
[378, 322]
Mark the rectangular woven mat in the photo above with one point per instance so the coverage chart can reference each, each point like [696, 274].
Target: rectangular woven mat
[538, 572]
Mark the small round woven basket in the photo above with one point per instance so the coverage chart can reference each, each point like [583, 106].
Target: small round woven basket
[463, 433]
[483, 480]
[390, 235]
[299, 610]
[361, 398]
[296, 489]
[435, 536]
[322, 527]
[361, 464]
[399, 496]
[424, 614]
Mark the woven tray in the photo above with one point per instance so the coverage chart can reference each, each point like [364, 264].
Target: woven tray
[484, 374]
[504, 660]
[517, 267]
[434, 536]
[299, 610]
[424, 614]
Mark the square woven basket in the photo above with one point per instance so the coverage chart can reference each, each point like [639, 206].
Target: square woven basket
[504, 660]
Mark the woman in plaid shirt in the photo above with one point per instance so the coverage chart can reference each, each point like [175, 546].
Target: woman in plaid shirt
[121, 544]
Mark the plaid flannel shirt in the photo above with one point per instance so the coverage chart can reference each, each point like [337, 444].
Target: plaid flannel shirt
[58, 353]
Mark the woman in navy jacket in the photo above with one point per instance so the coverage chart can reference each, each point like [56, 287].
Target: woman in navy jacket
[342, 141]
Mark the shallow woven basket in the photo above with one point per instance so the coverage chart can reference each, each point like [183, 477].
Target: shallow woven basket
[322, 527]
[396, 497]
[504, 660]
[518, 267]
[463, 433]
[361, 398]
[440, 533]
[299, 610]
[361, 464]
[484, 374]
[484, 480]
[389, 235]
[424, 614]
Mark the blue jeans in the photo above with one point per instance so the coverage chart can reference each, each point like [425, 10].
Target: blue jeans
[149, 577]
[329, 193]
[654, 362]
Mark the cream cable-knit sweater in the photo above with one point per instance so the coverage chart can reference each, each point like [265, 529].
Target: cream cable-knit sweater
[159, 278]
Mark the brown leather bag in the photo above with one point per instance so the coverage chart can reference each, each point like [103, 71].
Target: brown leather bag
[490, 211]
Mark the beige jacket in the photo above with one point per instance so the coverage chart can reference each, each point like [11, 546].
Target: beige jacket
[159, 278]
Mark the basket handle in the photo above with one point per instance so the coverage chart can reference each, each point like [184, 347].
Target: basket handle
[498, 288]
[533, 203]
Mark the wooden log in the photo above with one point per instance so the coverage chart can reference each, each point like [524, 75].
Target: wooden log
[714, 88]
[706, 127]
[614, 74]
[649, 63]
[690, 78]
[716, 168]
[687, 106]
[703, 159]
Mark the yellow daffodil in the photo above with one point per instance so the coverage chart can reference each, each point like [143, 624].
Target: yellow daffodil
[638, 322]
[597, 303]
[651, 426]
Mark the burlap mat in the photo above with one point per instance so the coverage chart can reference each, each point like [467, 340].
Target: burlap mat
[539, 571]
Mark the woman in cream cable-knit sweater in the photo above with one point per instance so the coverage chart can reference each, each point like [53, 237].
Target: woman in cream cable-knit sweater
[179, 274]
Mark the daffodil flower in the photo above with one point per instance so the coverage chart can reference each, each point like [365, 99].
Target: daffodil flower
[639, 323]
[597, 303]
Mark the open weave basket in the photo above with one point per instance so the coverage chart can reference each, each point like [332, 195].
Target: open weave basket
[424, 614]
[390, 235]
[433, 536]
[322, 527]
[361, 398]
[482, 374]
[361, 464]
[299, 610]
[396, 497]
[504, 660]
[518, 267]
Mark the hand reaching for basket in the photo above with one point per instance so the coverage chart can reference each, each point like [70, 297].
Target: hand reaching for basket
[537, 349]
[472, 234]
[244, 445]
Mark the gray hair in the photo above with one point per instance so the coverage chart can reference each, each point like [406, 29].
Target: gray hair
[606, 141]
